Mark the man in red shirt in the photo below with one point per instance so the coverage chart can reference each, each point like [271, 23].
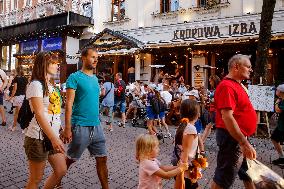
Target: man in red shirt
[235, 120]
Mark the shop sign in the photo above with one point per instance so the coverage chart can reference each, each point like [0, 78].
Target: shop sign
[107, 39]
[198, 75]
[29, 46]
[214, 31]
[74, 57]
[52, 44]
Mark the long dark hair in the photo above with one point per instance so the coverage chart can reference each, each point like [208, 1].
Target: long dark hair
[41, 62]
[189, 110]
[20, 71]
[216, 80]
[158, 95]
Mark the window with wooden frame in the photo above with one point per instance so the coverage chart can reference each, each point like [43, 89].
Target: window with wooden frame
[117, 10]
[207, 3]
[28, 3]
[165, 6]
[15, 4]
[1, 7]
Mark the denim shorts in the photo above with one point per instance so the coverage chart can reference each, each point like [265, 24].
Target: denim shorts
[162, 115]
[90, 137]
[150, 114]
[229, 160]
[121, 105]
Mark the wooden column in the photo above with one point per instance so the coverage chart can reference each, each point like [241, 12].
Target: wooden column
[112, 10]
[115, 65]
[186, 68]
[126, 65]
[213, 63]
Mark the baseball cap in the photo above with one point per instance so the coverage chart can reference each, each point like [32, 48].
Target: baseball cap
[281, 88]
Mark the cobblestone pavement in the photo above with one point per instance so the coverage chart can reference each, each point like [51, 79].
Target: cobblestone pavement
[123, 169]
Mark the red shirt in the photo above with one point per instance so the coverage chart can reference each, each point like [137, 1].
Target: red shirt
[231, 95]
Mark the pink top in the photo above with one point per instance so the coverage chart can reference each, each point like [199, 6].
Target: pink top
[146, 178]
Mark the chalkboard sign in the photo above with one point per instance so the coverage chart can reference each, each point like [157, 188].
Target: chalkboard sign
[262, 97]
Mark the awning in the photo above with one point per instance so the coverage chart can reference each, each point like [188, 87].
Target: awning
[120, 52]
[47, 25]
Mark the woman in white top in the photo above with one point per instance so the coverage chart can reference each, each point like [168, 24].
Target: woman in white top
[45, 102]
[186, 141]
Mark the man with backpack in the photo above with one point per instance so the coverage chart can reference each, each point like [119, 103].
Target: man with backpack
[119, 98]
[3, 84]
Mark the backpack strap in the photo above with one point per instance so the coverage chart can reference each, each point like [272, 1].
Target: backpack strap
[107, 92]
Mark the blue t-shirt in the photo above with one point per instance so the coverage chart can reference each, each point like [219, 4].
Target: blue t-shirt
[85, 110]
[109, 98]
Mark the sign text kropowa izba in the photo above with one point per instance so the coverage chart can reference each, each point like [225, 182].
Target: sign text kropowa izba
[214, 31]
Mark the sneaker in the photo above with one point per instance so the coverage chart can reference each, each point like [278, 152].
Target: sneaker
[110, 130]
[279, 161]
[4, 124]
[121, 125]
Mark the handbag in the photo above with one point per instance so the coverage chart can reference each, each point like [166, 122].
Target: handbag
[263, 177]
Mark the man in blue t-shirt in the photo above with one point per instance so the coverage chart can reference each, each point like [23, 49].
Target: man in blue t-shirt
[82, 124]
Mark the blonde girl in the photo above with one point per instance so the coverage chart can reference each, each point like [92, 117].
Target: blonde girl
[151, 171]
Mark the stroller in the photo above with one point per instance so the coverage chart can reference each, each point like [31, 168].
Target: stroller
[140, 120]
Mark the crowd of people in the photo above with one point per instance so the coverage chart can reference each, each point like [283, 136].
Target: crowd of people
[225, 107]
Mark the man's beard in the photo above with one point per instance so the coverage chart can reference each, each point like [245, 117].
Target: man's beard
[90, 67]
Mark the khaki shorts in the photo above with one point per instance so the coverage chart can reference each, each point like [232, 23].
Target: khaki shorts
[35, 150]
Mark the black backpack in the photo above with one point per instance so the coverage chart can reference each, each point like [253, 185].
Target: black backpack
[162, 105]
[25, 114]
[155, 105]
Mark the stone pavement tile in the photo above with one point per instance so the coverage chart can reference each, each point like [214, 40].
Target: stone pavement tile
[113, 184]
[130, 184]
[8, 183]
[21, 184]
[13, 187]
[68, 185]
[4, 178]
[20, 178]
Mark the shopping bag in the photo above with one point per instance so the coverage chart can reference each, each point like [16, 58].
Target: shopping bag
[263, 177]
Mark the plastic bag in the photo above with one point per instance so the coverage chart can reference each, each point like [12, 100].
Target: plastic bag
[263, 177]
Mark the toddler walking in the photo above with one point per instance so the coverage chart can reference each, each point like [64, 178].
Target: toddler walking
[151, 171]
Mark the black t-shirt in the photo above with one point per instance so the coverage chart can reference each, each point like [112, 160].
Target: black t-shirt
[21, 85]
[122, 95]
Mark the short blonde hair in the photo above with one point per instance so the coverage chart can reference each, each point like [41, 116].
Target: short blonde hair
[145, 145]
